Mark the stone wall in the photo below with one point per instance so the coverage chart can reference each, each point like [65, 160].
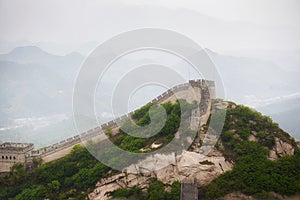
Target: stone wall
[203, 89]
[11, 153]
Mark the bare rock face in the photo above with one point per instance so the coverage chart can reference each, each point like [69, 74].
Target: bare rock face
[280, 149]
[252, 138]
[122, 180]
[188, 166]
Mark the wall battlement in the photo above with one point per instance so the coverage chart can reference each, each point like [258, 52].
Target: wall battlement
[206, 88]
[11, 153]
[15, 147]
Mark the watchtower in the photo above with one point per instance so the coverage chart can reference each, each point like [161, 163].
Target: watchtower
[11, 153]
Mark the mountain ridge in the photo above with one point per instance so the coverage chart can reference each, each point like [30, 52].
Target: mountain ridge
[34, 54]
[247, 135]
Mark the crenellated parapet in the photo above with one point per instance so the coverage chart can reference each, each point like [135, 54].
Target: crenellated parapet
[206, 91]
[11, 153]
[10, 147]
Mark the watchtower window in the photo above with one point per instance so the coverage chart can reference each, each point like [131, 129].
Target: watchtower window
[6, 157]
[9, 157]
[2, 157]
[14, 157]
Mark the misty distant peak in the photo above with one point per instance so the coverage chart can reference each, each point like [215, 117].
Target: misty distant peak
[34, 54]
[26, 49]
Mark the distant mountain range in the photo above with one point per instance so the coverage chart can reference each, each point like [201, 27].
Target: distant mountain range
[249, 79]
[286, 112]
[264, 85]
[33, 54]
[35, 84]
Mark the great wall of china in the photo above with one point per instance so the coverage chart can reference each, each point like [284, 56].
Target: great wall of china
[11, 153]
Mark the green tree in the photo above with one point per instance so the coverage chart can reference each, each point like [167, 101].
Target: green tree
[18, 174]
[175, 191]
[37, 193]
[37, 162]
[54, 186]
[108, 132]
[156, 191]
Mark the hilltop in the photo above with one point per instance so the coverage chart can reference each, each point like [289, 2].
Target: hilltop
[252, 159]
[266, 159]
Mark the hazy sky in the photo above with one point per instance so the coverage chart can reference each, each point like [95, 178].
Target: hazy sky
[270, 28]
[219, 25]
[264, 12]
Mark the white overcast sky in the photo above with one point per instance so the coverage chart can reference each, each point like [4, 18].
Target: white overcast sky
[264, 12]
[216, 24]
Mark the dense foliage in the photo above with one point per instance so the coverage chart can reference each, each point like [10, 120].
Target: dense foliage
[162, 123]
[69, 177]
[164, 130]
[75, 175]
[253, 174]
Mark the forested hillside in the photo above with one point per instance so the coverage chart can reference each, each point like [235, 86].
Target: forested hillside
[246, 140]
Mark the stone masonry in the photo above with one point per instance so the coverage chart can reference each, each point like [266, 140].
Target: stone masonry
[11, 153]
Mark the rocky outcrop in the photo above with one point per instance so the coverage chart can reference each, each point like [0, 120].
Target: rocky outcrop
[188, 166]
[280, 149]
[194, 165]
[203, 164]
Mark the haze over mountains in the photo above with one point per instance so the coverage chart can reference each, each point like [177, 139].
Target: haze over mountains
[36, 92]
[264, 85]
